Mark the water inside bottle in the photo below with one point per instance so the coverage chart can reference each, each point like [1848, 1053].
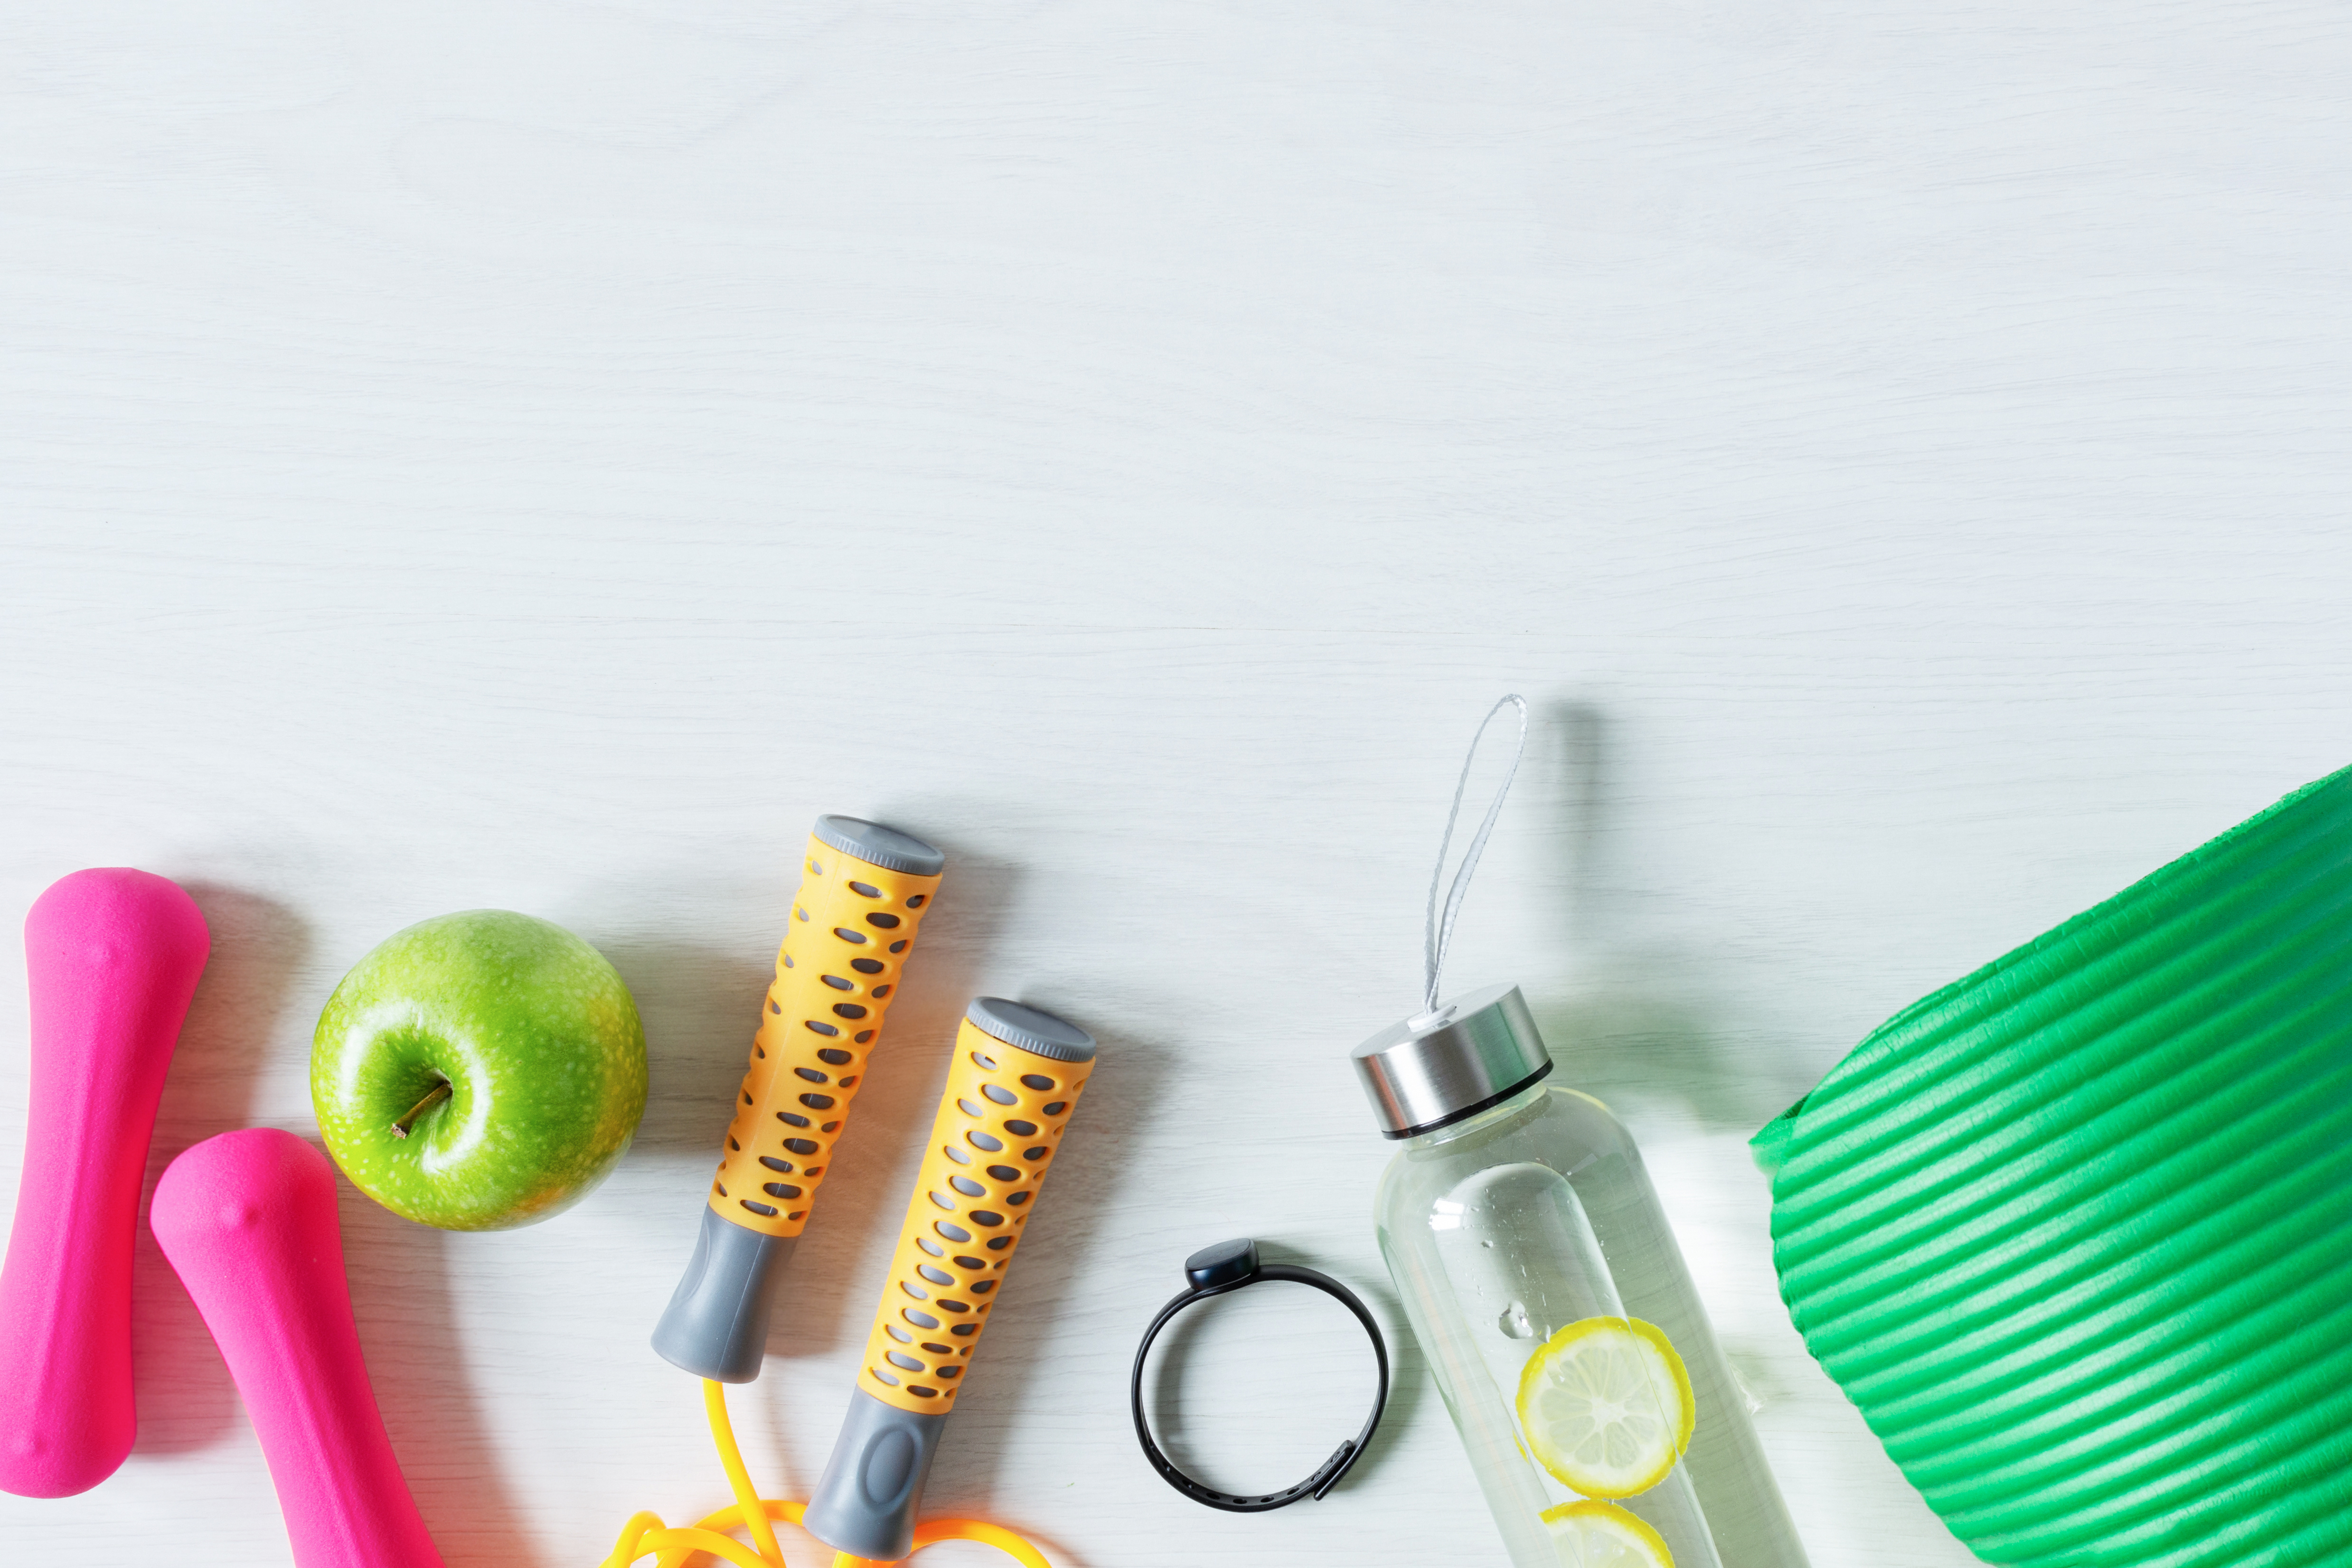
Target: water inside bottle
[1533, 1216]
[1520, 1253]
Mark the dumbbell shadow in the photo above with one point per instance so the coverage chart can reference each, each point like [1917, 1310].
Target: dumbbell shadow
[404, 1300]
[186, 1401]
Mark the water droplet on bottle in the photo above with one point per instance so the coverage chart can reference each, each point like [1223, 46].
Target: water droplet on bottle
[1514, 1322]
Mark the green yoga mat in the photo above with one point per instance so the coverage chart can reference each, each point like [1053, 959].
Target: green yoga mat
[2075, 1232]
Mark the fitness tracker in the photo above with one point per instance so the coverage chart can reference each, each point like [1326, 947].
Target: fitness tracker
[1230, 1266]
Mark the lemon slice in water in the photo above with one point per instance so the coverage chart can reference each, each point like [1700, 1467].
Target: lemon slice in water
[1602, 1535]
[1606, 1407]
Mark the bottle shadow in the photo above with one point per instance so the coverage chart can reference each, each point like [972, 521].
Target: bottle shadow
[1633, 1032]
[186, 1400]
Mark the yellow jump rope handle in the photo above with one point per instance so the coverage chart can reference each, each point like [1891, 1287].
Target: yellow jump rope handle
[860, 902]
[853, 929]
[863, 891]
[1015, 1078]
[1000, 1122]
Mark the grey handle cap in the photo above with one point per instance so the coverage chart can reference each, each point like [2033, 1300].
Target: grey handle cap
[866, 1501]
[877, 845]
[716, 1325]
[1031, 1029]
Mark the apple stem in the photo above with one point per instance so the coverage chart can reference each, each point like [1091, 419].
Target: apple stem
[441, 1092]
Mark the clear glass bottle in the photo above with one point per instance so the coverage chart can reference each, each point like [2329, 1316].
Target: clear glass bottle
[1544, 1287]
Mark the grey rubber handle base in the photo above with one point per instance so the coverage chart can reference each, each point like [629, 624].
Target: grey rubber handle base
[716, 1325]
[866, 1501]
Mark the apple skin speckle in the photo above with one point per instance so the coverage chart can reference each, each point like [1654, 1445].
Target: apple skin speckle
[539, 1041]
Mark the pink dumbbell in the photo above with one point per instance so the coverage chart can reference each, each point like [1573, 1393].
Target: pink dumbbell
[247, 1220]
[111, 958]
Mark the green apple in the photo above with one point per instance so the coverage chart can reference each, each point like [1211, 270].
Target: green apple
[480, 1071]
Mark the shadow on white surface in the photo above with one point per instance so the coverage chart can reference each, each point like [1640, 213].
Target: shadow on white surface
[1045, 1309]
[699, 1005]
[403, 1296]
[186, 1400]
[1635, 1030]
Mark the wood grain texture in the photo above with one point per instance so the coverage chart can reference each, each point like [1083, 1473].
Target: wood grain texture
[539, 455]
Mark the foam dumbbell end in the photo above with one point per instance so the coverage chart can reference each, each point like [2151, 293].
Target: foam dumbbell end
[248, 1221]
[111, 959]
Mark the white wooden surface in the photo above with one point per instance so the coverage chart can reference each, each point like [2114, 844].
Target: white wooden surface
[539, 455]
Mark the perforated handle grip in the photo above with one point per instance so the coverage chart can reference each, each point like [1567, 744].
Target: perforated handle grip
[1000, 1122]
[863, 891]
[1015, 1078]
[853, 928]
[111, 959]
[248, 1221]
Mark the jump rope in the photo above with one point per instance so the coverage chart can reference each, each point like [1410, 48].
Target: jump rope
[647, 1535]
[1015, 1077]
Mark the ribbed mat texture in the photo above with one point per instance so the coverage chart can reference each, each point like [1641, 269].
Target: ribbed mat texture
[2075, 1232]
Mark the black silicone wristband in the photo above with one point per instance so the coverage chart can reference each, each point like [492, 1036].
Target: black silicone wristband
[1231, 1266]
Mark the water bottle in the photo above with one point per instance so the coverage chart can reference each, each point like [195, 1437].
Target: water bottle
[1540, 1277]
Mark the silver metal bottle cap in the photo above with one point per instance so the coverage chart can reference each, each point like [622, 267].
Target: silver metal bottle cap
[1429, 1072]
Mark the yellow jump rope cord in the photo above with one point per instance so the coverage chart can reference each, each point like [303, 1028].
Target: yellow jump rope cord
[646, 1536]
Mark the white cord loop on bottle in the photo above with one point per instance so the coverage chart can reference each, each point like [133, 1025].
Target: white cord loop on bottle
[1439, 934]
